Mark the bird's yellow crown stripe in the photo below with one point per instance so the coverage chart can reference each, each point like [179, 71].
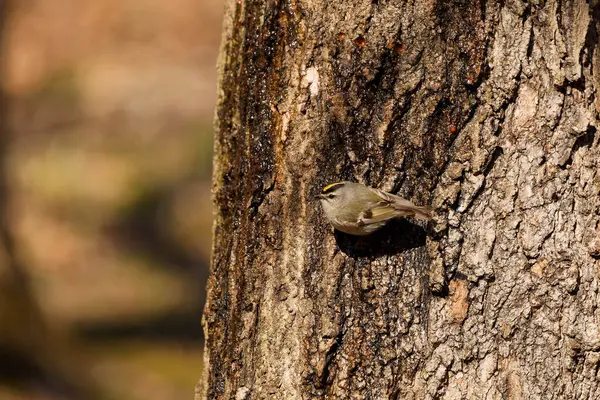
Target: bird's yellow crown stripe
[330, 187]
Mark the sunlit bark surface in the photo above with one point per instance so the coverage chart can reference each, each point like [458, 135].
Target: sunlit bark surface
[485, 110]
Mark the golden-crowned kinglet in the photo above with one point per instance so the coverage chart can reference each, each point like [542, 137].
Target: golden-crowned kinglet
[359, 210]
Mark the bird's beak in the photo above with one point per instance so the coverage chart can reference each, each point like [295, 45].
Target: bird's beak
[319, 197]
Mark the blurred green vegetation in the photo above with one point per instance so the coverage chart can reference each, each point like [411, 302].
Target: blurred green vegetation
[108, 172]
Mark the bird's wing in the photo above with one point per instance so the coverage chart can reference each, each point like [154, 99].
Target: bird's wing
[391, 198]
[401, 207]
[382, 212]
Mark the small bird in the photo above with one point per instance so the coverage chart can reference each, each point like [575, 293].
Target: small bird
[359, 210]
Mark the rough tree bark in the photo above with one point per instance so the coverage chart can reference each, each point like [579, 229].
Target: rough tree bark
[487, 110]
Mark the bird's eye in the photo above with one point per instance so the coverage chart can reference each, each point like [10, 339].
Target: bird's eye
[331, 196]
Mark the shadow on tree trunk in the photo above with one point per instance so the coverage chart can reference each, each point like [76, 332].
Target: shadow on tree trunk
[396, 237]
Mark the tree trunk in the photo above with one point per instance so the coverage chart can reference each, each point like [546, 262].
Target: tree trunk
[485, 110]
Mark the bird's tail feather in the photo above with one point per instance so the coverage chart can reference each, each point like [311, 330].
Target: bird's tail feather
[422, 212]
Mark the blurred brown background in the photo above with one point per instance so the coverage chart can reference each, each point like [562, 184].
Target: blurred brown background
[106, 213]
